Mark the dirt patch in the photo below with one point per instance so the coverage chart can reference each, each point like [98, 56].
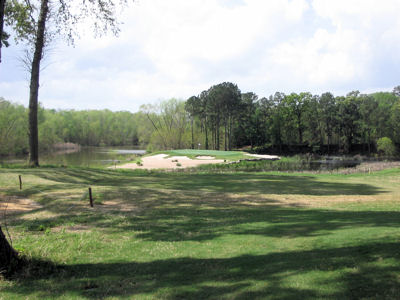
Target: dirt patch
[71, 229]
[205, 157]
[117, 205]
[306, 201]
[13, 204]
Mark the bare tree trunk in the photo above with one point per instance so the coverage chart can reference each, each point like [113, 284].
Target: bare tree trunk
[300, 134]
[2, 6]
[329, 143]
[206, 132]
[226, 135]
[230, 133]
[8, 256]
[214, 139]
[34, 86]
[369, 142]
[217, 141]
[191, 123]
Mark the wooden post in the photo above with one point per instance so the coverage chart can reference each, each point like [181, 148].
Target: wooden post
[90, 197]
[20, 182]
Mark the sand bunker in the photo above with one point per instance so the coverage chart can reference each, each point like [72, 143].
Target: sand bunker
[162, 161]
[261, 156]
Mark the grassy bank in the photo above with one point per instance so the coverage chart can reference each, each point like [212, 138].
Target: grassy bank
[292, 164]
[194, 236]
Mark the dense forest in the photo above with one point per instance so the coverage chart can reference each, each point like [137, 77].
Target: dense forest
[88, 128]
[221, 118]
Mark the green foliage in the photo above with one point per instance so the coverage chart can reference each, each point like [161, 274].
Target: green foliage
[64, 17]
[220, 118]
[18, 16]
[385, 146]
[285, 164]
[13, 128]
[165, 125]
[88, 128]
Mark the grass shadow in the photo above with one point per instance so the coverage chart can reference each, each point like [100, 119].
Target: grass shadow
[254, 183]
[155, 215]
[356, 273]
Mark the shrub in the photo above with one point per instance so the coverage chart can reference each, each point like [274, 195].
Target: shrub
[386, 147]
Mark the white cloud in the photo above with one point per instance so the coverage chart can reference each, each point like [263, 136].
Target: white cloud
[174, 37]
[177, 48]
[323, 58]
[363, 34]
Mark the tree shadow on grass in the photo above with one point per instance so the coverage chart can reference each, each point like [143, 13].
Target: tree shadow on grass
[233, 183]
[344, 272]
[190, 216]
[204, 207]
[176, 207]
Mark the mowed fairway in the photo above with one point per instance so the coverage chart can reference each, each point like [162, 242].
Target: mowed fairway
[204, 236]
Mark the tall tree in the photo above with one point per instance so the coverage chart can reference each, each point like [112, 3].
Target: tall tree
[36, 31]
[29, 19]
[203, 115]
[248, 118]
[2, 10]
[368, 109]
[277, 115]
[192, 106]
[395, 121]
[169, 120]
[386, 101]
[348, 109]
[312, 121]
[294, 107]
[34, 84]
[328, 113]
[223, 99]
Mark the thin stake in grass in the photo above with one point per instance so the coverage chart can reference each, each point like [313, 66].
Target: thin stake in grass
[90, 197]
[20, 182]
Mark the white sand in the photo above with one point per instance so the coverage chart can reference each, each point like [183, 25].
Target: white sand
[179, 158]
[160, 161]
[264, 156]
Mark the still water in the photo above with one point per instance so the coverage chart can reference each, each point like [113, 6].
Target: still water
[85, 156]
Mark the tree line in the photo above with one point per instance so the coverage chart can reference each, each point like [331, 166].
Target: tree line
[87, 128]
[220, 118]
[223, 117]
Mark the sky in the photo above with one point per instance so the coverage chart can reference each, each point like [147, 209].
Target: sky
[178, 48]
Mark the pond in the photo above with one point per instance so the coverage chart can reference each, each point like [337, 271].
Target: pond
[84, 156]
[333, 163]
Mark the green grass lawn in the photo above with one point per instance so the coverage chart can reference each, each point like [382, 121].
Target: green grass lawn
[205, 236]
